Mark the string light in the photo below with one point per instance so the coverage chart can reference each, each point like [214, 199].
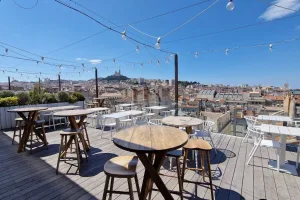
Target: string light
[196, 55]
[226, 52]
[114, 60]
[230, 5]
[142, 65]
[6, 52]
[42, 58]
[158, 62]
[124, 35]
[137, 49]
[271, 47]
[157, 45]
[3, 72]
[37, 62]
[16, 70]
[167, 60]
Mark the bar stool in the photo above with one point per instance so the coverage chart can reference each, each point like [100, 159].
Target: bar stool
[19, 121]
[204, 148]
[121, 167]
[84, 132]
[41, 125]
[74, 135]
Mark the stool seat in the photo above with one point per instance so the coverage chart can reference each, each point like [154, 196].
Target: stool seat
[197, 144]
[19, 119]
[122, 166]
[70, 131]
[175, 153]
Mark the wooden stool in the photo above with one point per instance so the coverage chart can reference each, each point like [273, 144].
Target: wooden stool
[204, 148]
[74, 135]
[19, 122]
[121, 167]
[84, 132]
[37, 123]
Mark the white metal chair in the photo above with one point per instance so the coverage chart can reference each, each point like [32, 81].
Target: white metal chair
[167, 113]
[155, 122]
[140, 120]
[119, 109]
[104, 123]
[251, 123]
[53, 119]
[259, 141]
[148, 114]
[205, 133]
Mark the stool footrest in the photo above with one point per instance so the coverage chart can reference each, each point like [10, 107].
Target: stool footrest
[119, 192]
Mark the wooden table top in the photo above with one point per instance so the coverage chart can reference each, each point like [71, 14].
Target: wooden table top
[28, 109]
[68, 113]
[181, 121]
[148, 138]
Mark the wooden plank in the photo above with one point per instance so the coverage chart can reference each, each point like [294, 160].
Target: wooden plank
[247, 188]
[259, 185]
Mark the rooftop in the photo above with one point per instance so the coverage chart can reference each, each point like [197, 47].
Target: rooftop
[33, 176]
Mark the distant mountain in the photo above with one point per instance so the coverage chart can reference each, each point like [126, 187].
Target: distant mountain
[116, 78]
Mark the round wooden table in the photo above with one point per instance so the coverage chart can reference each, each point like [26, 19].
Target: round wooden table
[179, 121]
[72, 114]
[29, 121]
[156, 141]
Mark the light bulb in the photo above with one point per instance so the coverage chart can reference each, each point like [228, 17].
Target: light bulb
[16, 70]
[6, 52]
[124, 35]
[230, 5]
[271, 47]
[142, 65]
[42, 58]
[37, 62]
[3, 72]
[137, 49]
[158, 62]
[82, 65]
[114, 60]
[167, 60]
[157, 45]
[74, 69]
[196, 55]
[226, 52]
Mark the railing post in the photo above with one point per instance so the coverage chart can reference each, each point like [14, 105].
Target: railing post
[96, 79]
[176, 84]
[59, 85]
[9, 83]
[234, 121]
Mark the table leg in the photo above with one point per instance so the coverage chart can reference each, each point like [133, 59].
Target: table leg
[282, 151]
[189, 130]
[75, 125]
[151, 174]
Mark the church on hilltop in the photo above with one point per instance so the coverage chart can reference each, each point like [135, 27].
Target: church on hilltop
[118, 73]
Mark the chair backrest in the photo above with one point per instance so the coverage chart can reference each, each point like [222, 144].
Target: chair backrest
[250, 120]
[257, 134]
[208, 126]
[155, 122]
[172, 112]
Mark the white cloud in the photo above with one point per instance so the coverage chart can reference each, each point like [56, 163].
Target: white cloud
[274, 12]
[81, 59]
[95, 61]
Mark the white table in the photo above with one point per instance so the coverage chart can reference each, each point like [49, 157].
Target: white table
[126, 104]
[274, 118]
[119, 115]
[156, 109]
[59, 108]
[99, 109]
[283, 131]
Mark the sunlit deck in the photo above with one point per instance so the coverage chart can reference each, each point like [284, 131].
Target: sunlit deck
[25, 176]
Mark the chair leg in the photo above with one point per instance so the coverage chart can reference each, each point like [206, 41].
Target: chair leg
[213, 144]
[252, 153]
[202, 165]
[209, 174]
[20, 132]
[77, 151]
[111, 188]
[44, 135]
[86, 134]
[83, 149]
[31, 138]
[13, 139]
[179, 178]
[105, 188]
[171, 159]
[130, 188]
[137, 185]
[53, 123]
[297, 162]
[59, 153]
[246, 136]
[185, 152]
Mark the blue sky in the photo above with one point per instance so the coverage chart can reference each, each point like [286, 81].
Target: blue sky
[50, 26]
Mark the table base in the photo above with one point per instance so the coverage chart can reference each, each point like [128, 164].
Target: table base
[286, 168]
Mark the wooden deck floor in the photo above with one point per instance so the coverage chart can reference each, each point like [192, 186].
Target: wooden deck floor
[25, 176]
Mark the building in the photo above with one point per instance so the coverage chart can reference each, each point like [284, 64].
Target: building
[171, 82]
[141, 81]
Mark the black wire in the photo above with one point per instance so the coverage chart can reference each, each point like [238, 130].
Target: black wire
[230, 29]
[276, 5]
[111, 29]
[25, 7]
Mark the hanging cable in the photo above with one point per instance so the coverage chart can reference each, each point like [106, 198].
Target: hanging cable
[279, 6]
[28, 8]
[141, 32]
[111, 29]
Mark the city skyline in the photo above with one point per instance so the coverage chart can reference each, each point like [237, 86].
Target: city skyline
[58, 26]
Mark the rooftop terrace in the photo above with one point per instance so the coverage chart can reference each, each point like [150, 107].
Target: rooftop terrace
[25, 176]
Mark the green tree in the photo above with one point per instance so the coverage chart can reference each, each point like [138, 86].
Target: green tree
[23, 98]
[6, 93]
[63, 97]
[49, 98]
[35, 96]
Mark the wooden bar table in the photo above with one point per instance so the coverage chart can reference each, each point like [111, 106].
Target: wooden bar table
[155, 141]
[72, 114]
[29, 121]
[180, 121]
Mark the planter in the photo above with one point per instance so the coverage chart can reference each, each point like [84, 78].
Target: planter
[7, 120]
